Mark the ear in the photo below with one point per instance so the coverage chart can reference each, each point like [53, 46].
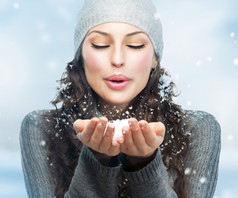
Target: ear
[155, 62]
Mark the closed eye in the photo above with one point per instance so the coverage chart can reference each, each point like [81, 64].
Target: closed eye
[100, 46]
[136, 46]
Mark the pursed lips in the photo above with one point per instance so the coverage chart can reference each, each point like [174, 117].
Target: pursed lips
[117, 81]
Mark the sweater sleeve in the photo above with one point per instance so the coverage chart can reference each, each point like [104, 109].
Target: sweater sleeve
[34, 158]
[91, 179]
[202, 156]
[200, 161]
[152, 181]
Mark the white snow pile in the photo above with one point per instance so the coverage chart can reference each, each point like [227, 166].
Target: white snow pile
[119, 124]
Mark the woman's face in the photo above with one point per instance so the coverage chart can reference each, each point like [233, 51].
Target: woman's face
[118, 58]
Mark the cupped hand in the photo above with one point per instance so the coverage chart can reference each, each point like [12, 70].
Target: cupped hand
[141, 139]
[97, 135]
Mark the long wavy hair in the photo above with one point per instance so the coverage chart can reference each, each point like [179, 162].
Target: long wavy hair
[77, 100]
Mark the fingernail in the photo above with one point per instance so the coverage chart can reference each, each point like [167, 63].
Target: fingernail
[120, 140]
[110, 128]
[123, 131]
[114, 143]
[132, 124]
[142, 126]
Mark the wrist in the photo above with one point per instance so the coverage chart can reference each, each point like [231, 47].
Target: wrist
[105, 160]
[135, 163]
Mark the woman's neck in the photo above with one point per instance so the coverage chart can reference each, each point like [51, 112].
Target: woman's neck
[112, 111]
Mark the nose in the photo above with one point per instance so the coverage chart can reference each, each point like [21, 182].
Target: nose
[117, 57]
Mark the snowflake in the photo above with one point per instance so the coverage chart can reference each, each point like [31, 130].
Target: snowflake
[230, 137]
[232, 34]
[209, 59]
[156, 16]
[199, 62]
[235, 62]
[42, 143]
[16, 5]
[187, 171]
[189, 103]
[203, 180]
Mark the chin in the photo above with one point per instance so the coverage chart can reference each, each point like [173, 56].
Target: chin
[117, 102]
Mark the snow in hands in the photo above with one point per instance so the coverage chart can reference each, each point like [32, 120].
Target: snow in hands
[119, 124]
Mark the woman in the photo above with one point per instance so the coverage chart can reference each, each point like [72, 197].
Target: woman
[116, 74]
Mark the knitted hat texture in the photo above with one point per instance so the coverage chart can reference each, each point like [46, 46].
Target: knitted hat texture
[140, 13]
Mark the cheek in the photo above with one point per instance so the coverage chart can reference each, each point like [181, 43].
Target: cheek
[92, 60]
[143, 62]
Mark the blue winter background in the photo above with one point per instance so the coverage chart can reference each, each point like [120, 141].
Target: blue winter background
[201, 52]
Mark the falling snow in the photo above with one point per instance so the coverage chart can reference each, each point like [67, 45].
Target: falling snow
[177, 76]
[203, 180]
[199, 62]
[209, 59]
[164, 86]
[42, 143]
[194, 172]
[235, 62]
[230, 137]
[232, 34]
[187, 171]
[16, 5]
[189, 103]
[157, 16]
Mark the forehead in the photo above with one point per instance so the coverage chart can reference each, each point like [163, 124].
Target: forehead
[116, 28]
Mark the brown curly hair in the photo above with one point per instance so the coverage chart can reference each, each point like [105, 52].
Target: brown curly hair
[78, 100]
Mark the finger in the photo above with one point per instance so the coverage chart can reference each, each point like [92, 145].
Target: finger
[138, 137]
[151, 138]
[114, 149]
[128, 140]
[128, 147]
[98, 133]
[107, 138]
[79, 125]
[123, 148]
[86, 134]
[158, 128]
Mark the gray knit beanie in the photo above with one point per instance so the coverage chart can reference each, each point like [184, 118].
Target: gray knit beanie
[140, 13]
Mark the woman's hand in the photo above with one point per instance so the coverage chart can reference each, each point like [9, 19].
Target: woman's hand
[141, 139]
[92, 133]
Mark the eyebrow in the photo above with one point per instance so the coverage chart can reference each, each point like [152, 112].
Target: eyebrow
[134, 33]
[106, 34]
[99, 32]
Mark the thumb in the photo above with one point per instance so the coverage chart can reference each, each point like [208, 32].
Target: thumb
[79, 125]
[158, 128]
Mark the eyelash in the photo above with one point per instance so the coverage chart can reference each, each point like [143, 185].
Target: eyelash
[136, 46]
[100, 46]
[106, 46]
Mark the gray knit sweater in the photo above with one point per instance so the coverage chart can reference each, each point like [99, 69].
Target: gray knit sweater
[93, 180]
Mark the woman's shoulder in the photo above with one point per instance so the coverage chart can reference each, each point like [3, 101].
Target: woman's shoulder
[37, 117]
[200, 118]
[202, 126]
[35, 124]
